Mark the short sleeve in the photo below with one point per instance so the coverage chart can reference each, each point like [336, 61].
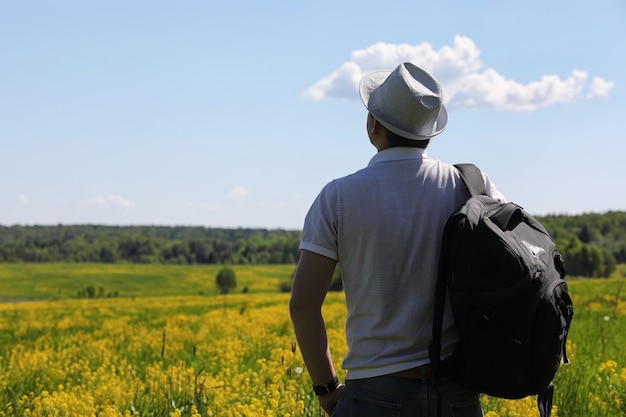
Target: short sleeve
[319, 233]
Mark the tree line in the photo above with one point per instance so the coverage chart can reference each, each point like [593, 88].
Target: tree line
[147, 244]
[592, 244]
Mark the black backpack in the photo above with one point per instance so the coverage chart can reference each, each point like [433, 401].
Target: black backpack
[511, 307]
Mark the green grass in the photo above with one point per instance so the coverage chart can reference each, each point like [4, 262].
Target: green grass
[64, 280]
[598, 337]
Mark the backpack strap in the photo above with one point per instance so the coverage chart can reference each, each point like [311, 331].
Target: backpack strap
[472, 176]
[544, 401]
[434, 348]
[473, 179]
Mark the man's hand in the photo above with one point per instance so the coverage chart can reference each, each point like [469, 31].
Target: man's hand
[329, 401]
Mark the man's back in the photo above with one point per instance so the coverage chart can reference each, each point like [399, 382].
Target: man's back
[387, 220]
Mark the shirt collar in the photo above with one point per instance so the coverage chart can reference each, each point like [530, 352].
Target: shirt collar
[398, 153]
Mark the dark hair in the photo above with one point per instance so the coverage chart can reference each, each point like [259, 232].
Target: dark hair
[396, 140]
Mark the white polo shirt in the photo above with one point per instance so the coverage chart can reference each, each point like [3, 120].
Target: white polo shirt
[383, 224]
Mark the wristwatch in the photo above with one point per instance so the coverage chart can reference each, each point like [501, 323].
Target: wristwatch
[326, 388]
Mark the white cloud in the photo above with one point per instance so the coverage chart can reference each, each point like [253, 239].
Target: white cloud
[238, 192]
[465, 79]
[340, 83]
[600, 88]
[112, 200]
[24, 199]
[491, 90]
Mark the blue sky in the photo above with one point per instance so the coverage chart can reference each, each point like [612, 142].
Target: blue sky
[235, 114]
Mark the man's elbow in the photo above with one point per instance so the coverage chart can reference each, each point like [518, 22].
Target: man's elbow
[301, 308]
[296, 307]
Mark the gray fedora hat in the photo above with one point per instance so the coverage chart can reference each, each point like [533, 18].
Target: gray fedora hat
[408, 101]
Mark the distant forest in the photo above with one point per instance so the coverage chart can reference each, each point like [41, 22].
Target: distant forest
[592, 244]
[147, 244]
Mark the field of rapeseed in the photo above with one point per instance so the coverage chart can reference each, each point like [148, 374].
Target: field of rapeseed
[235, 355]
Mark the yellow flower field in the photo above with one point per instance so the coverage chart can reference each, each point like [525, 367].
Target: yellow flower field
[208, 356]
[231, 355]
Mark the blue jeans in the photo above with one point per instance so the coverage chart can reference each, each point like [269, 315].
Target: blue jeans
[386, 396]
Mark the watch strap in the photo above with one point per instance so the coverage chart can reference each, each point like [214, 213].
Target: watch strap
[326, 388]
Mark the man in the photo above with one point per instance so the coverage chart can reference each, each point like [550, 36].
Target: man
[383, 225]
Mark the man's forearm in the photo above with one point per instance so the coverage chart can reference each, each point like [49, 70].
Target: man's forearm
[313, 341]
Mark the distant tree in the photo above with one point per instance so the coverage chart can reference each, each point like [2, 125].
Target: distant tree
[610, 265]
[226, 280]
[90, 291]
[284, 286]
[584, 235]
[587, 260]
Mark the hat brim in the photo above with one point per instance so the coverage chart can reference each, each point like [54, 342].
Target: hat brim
[370, 82]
